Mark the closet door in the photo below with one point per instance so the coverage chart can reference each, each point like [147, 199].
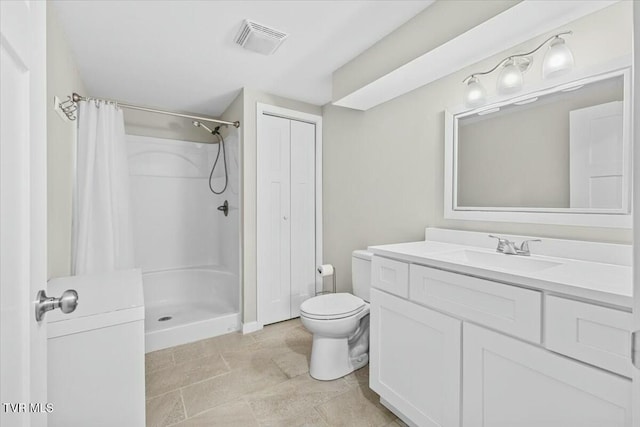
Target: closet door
[274, 231]
[303, 217]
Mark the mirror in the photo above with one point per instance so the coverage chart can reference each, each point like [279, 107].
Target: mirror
[563, 150]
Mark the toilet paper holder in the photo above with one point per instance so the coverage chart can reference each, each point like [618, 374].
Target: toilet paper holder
[323, 274]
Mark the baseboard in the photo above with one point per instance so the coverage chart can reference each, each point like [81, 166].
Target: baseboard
[247, 328]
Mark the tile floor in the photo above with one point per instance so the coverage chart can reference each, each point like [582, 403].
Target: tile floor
[260, 379]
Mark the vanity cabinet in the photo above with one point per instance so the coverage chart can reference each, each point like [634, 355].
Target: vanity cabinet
[457, 350]
[415, 360]
[510, 383]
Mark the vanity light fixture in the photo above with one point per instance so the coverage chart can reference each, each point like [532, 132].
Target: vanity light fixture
[557, 61]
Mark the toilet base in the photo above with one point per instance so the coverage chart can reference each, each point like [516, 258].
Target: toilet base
[330, 359]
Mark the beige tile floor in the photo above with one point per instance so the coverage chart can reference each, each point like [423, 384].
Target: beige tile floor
[261, 379]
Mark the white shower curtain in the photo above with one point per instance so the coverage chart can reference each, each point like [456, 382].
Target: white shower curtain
[103, 239]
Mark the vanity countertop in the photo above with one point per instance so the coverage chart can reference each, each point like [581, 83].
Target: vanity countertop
[599, 282]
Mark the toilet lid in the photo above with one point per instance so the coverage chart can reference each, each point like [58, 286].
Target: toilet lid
[332, 306]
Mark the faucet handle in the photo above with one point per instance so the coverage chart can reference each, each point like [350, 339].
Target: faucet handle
[502, 242]
[524, 246]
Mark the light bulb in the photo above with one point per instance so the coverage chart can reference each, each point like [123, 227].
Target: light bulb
[510, 79]
[558, 59]
[475, 94]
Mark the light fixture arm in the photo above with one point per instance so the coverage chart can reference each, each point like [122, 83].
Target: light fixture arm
[518, 55]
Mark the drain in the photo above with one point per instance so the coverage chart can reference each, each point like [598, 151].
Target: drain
[165, 318]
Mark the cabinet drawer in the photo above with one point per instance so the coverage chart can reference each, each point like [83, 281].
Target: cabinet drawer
[506, 308]
[391, 276]
[597, 335]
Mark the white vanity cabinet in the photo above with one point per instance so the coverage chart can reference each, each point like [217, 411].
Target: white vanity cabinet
[510, 383]
[415, 360]
[457, 350]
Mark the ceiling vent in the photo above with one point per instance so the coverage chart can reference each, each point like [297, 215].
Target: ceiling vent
[259, 38]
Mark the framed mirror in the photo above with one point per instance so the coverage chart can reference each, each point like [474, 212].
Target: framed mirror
[558, 155]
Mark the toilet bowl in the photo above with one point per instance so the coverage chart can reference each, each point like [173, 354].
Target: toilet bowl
[340, 325]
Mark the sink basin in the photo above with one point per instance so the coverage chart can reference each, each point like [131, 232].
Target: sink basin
[497, 260]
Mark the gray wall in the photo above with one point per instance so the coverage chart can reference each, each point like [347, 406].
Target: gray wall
[62, 80]
[383, 168]
[432, 27]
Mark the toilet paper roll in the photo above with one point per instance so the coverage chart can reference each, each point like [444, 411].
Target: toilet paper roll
[326, 270]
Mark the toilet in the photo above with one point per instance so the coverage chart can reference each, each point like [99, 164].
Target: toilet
[340, 324]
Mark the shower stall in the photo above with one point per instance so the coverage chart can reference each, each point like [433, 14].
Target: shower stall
[188, 249]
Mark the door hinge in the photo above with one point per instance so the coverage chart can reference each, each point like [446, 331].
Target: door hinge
[635, 348]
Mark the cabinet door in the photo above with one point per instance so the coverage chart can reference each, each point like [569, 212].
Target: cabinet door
[510, 383]
[415, 360]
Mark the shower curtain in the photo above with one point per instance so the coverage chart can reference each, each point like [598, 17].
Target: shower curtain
[102, 222]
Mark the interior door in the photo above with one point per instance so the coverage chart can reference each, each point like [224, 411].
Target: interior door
[303, 218]
[286, 237]
[274, 232]
[596, 159]
[636, 217]
[23, 206]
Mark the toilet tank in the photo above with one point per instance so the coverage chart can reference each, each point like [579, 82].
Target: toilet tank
[361, 273]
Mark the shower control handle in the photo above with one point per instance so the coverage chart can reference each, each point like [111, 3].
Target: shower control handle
[224, 208]
[67, 303]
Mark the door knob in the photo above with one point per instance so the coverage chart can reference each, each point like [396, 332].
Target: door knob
[67, 303]
[285, 217]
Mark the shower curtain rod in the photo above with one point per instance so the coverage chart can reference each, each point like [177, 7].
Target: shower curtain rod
[75, 97]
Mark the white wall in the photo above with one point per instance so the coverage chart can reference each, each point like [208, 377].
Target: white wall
[62, 80]
[383, 169]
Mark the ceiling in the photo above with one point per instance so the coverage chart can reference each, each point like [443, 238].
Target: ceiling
[181, 55]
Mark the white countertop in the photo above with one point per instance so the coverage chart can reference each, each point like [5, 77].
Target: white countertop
[600, 282]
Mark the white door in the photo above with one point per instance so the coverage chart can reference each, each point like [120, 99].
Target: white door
[596, 157]
[303, 219]
[286, 217]
[416, 371]
[636, 215]
[274, 232]
[509, 383]
[23, 207]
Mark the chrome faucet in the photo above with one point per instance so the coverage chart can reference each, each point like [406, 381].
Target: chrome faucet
[507, 247]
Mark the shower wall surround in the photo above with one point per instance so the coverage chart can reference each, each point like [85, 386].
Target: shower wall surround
[384, 168]
[176, 223]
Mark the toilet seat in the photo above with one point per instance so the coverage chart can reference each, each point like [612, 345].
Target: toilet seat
[332, 306]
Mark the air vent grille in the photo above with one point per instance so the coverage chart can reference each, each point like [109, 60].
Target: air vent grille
[259, 38]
